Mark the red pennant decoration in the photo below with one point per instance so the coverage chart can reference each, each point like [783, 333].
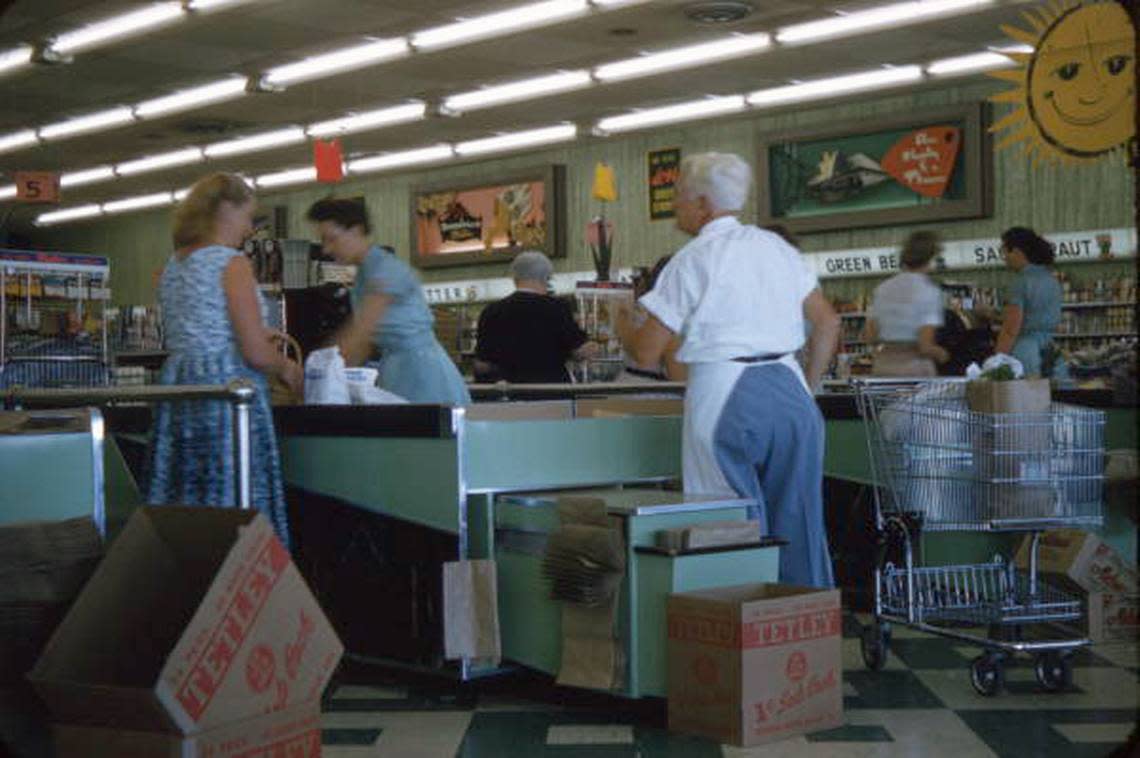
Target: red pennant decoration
[924, 160]
[329, 160]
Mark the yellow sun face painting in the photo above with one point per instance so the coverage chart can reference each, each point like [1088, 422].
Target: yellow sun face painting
[1075, 98]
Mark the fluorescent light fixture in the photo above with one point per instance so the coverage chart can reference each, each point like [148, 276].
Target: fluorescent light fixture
[226, 89]
[284, 178]
[524, 89]
[8, 192]
[347, 59]
[837, 85]
[689, 111]
[160, 161]
[1014, 48]
[86, 176]
[263, 141]
[182, 194]
[608, 4]
[885, 16]
[117, 27]
[684, 57]
[18, 56]
[89, 123]
[209, 5]
[68, 214]
[139, 202]
[16, 140]
[966, 64]
[499, 24]
[440, 152]
[359, 122]
[518, 140]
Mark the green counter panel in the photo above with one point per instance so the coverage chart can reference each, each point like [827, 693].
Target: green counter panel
[514, 456]
[412, 479]
[47, 477]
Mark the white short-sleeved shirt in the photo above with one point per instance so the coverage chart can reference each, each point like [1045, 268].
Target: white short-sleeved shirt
[904, 304]
[734, 291]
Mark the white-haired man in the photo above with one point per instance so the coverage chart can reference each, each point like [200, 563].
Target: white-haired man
[528, 336]
[739, 296]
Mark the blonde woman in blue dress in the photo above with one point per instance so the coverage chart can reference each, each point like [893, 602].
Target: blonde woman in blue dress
[213, 318]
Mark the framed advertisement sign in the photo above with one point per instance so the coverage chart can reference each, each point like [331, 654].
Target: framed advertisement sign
[490, 220]
[928, 166]
[664, 168]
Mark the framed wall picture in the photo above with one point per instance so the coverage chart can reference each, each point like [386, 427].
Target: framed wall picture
[664, 168]
[928, 166]
[490, 220]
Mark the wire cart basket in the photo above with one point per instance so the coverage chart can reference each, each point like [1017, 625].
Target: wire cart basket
[938, 467]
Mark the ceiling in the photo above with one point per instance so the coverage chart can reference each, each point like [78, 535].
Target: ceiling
[255, 36]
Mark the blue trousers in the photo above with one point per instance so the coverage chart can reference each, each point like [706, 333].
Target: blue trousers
[769, 445]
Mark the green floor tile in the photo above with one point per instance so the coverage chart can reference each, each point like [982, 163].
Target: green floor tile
[889, 689]
[1016, 734]
[930, 653]
[852, 733]
[350, 736]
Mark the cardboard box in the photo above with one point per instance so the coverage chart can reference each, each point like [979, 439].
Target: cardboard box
[292, 733]
[1083, 558]
[1114, 618]
[196, 619]
[755, 663]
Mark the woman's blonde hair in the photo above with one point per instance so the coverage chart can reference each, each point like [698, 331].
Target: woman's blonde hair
[195, 216]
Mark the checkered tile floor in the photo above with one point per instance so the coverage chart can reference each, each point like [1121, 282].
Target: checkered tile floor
[920, 704]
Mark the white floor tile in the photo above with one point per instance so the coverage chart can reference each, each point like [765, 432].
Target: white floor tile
[915, 734]
[588, 734]
[408, 734]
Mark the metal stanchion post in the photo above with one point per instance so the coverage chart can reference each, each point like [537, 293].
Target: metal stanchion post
[243, 400]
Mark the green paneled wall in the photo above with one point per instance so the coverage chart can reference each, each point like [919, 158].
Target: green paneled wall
[1050, 198]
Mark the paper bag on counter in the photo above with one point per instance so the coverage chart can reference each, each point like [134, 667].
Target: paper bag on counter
[471, 611]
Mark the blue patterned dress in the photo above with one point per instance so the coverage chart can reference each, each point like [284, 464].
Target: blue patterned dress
[192, 451]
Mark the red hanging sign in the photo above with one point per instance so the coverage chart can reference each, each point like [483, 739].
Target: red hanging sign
[924, 160]
[329, 160]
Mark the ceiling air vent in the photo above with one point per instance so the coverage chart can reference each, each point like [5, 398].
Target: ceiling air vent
[718, 11]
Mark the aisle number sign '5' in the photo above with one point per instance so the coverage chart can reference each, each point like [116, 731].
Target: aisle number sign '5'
[36, 186]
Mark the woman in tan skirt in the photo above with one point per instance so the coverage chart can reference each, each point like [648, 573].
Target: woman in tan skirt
[905, 312]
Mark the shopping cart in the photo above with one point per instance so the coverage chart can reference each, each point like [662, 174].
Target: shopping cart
[938, 467]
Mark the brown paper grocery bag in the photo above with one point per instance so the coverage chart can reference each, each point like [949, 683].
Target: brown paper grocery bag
[1012, 447]
[471, 611]
[1016, 396]
[592, 653]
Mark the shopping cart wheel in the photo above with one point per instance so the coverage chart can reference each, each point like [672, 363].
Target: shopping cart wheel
[875, 642]
[987, 674]
[1054, 672]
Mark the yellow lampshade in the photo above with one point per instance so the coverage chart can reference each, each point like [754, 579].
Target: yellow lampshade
[605, 188]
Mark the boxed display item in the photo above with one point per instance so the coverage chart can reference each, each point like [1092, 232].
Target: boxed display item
[1114, 617]
[755, 663]
[1083, 558]
[196, 620]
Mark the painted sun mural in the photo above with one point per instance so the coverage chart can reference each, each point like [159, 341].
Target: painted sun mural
[1074, 97]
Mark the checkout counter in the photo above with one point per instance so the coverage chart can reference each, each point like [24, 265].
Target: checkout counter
[411, 487]
[487, 480]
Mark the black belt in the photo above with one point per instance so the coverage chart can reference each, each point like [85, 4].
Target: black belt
[646, 374]
[764, 358]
